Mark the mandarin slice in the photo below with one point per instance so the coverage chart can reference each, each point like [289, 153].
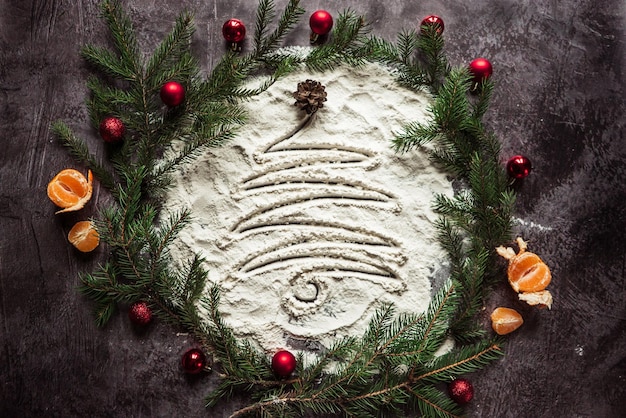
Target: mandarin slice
[84, 236]
[526, 272]
[505, 320]
[70, 190]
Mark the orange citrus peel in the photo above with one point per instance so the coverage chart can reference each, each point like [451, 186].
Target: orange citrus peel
[70, 190]
[540, 299]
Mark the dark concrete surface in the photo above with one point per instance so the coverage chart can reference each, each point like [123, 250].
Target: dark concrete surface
[559, 70]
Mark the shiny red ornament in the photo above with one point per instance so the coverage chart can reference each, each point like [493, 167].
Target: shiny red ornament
[140, 313]
[283, 363]
[321, 22]
[480, 69]
[432, 20]
[172, 93]
[234, 31]
[193, 361]
[112, 129]
[461, 390]
[518, 167]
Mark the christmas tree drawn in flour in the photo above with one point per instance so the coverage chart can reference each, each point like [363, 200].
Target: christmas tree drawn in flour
[306, 191]
[309, 233]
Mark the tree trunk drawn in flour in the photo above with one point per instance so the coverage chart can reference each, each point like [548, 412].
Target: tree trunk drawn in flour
[308, 233]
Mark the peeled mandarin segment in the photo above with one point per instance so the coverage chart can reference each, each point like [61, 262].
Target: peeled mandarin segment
[70, 190]
[505, 320]
[61, 195]
[73, 182]
[84, 236]
[527, 273]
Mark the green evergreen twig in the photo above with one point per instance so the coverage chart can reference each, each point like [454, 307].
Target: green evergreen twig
[396, 365]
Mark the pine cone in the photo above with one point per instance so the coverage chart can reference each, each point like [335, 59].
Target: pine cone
[310, 96]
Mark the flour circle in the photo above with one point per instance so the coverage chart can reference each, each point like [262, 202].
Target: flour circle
[307, 236]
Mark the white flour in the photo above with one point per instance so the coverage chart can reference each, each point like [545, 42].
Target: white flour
[310, 235]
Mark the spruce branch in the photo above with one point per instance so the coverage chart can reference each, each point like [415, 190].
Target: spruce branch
[106, 100]
[431, 44]
[438, 316]
[193, 278]
[419, 337]
[485, 91]
[466, 360]
[451, 109]
[451, 116]
[192, 148]
[418, 57]
[170, 51]
[78, 149]
[415, 135]
[264, 16]
[346, 44]
[433, 403]
[382, 319]
[394, 366]
[161, 238]
[124, 38]
[241, 363]
[265, 43]
[107, 63]
[408, 43]
[451, 239]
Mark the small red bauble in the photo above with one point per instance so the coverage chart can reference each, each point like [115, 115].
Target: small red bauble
[140, 313]
[518, 167]
[283, 363]
[321, 22]
[461, 390]
[234, 30]
[172, 93]
[112, 129]
[193, 361]
[480, 69]
[433, 20]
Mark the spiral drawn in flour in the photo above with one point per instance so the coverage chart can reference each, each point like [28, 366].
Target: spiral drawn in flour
[303, 225]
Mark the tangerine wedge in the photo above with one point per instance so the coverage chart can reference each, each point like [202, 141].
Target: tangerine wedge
[70, 190]
[526, 271]
[84, 236]
[505, 320]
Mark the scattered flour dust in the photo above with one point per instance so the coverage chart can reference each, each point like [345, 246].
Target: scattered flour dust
[309, 235]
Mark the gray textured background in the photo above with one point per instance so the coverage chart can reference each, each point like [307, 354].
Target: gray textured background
[559, 100]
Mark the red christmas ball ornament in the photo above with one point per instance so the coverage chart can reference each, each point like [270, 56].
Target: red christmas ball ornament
[432, 20]
[480, 69]
[321, 22]
[518, 167]
[112, 129]
[193, 361]
[283, 363]
[172, 93]
[234, 31]
[461, 390]
[140, 313]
